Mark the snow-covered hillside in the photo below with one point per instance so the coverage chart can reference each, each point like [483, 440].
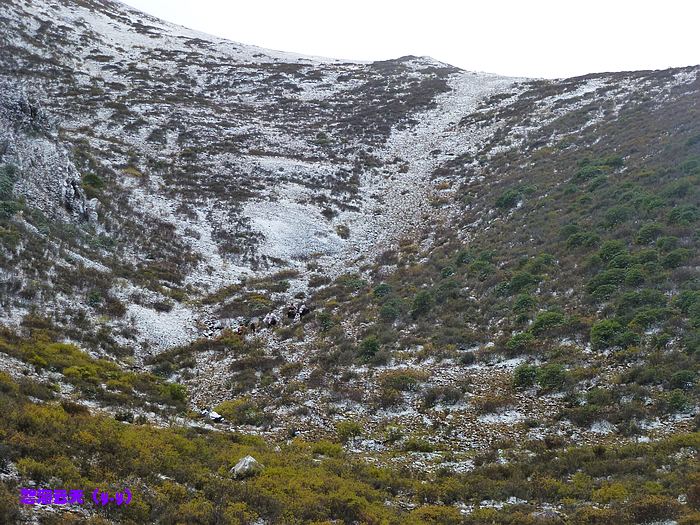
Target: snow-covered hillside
[254, 160]
[161, 188]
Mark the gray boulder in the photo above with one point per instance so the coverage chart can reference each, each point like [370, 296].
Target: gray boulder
[246, 467]
[547, 515]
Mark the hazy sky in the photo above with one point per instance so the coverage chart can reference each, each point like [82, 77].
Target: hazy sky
[542, 38]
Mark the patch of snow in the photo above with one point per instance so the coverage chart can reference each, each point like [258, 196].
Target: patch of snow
[163, 330]
[508, 417]
[603, 427]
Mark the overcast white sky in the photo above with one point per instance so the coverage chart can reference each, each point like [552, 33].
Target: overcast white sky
[540, 38]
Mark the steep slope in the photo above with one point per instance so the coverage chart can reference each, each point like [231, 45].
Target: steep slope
[502, 276]
[228, 158]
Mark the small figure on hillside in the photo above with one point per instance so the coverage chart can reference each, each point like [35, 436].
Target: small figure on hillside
[254, 324]
[270, 319]
[215, 416]
[291, 311]
[303, 310]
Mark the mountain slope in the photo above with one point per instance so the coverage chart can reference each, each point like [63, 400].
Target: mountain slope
[502, 277]
[227, 141]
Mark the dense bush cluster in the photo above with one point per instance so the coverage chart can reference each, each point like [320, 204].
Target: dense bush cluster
[98, 379]
[181, 475]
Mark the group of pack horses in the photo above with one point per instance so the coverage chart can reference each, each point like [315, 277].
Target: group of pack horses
[294, 312]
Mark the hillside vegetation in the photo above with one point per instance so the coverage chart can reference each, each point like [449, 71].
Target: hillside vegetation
[485, 290]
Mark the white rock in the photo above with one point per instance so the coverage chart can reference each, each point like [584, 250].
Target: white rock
[247, 466]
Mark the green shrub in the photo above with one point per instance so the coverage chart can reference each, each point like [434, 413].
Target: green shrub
[546, 321]
[653, 507]
[691, 166]
[326, 321]
[648, 316]
[7, 385]
[684, 215]
[587, 515]
[542, 263]
[8, 177]
[422, 303]
[675, 401]
[568, 230]
[551, 376]
[465, 257]
[481, 268]
[381, 290]
[327, 448]
[446, 394]
[611, 277]
[524, 303]
[603, 292]
[92, 180]
[447, 271]
[369, 348]
[599, 396]
[683, 380]
[612, 161]
[582, 239]
[648, 233]
[177, 392]
[242, 411]
[634, 276]
[8, 209]
[390, 310]
[445, 290]
[521, 281]
[610, 492]
[508, 199]
[622, 260]
[668, 243]
[437, 515]
[617, 215]
[322, 138]
[592, 168]
[632, 303]
[347, 430]
[610, 249]
[677, 189]
[524, 376]
[350, 282]
[587, 172]
[686, 300]
[520, 342]
[607, 333]
[675, 258]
